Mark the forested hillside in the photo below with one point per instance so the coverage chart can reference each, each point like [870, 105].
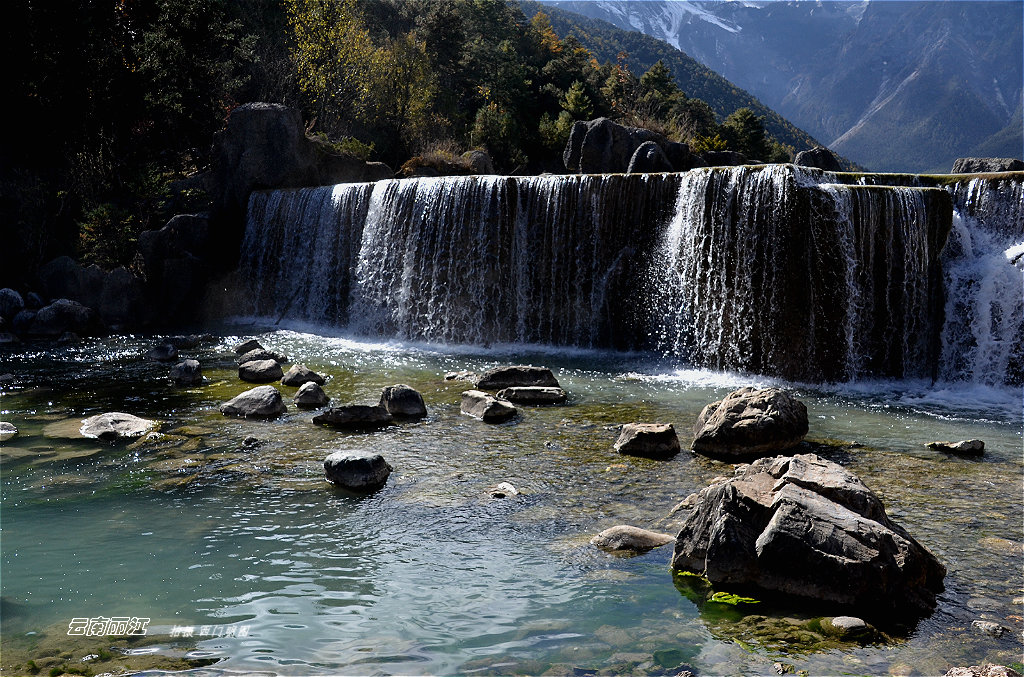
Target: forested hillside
[114, 104]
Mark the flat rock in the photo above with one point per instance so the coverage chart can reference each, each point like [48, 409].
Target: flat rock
[7, 431]
[298, 374]
[310, 395]
[116, 426]
[260, 371]
[965, 447]
[650, 440]
[628, 538]
[461, 376]
[261, 354]
[259, 402]
[359, 471]
[402, 401]
[247, 346]
[355, 416]
[486, 407]
[187, 373]
[803, 527]
[516, 376]
[750, 422]
[533, 395]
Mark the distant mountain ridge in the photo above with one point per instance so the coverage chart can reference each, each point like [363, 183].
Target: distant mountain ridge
[894, 86]
[605, 41]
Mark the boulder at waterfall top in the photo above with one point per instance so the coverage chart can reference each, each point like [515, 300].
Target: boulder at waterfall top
[517, 376]
[803, 527]
[602, 146]
[650, 440]
[750, 422]
[355, 416]
[260, 371]
[402, 401]
[116, 426]
[985, 165]
[355, 470]
[486, 407]
[260, 402]
[819, 157]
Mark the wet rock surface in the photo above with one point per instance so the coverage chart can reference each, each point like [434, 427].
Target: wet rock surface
[804, 527]
[298, 374]
[517, 376]
[358, 471]
[963, 447]
[486, 407]
[630, 539]
[750, 422]
[355, 416]
[187, 373]
[402, 401]
[533, 395]
[310, 395]
[259, 402]
[115, 426]
[260, 371]
[650, 440]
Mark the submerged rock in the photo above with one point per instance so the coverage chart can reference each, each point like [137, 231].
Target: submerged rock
[486, 407]
[187, 373]
[750, 422]
[966, 447]
[310, 395]
[359, 471]
[533, 395]
[805, 527]
[650, 440]
[7, 431]
[401, 401]
[355, 416]
[116, 426]
[299, 374]
[517, 376]
[260, 402]
[260, 371]
[627, 538]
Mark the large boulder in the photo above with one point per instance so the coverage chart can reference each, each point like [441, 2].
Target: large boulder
[805, 528]
[724, 158]
[247, 346]
[486, 407]
[310, 396]
[116, 426]
[260, 402]
[649, 440]
[299, 374]
[355, 416]
[64, 315]
[402, 401]
[479, 161]
[818, 157]
[117, 296]
[11, 303]
[517, 376]
[260, 371]
[533, 395]
[356, 470]
[750, 422]
[601, 146]
[985, 165]
[648, 158]
[261, 354]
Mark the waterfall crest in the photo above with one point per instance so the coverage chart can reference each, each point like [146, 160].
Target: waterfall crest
[772, 269]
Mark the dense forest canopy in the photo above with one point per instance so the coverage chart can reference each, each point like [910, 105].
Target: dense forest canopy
[117, 100]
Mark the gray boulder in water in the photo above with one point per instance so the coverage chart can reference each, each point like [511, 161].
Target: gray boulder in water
[402, 401]
[310, 395]
[750, 422]
[260, 402]
[486, 407]
[355, 470]
[601, 146]
[803, 527]
[625, 538]
[116, 426]
[247, 346]
[649, 440]
[261, 354]
[187, 373]
[260, 371]
[355, 416]
[533, 395]
[517, 376]
[11, 303]
[299, 374]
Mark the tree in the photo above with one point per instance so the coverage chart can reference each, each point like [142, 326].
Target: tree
[745, 133]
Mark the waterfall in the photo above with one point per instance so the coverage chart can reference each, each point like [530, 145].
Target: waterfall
[772, 269]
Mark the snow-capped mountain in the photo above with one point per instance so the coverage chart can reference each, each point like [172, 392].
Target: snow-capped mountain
[897, 86]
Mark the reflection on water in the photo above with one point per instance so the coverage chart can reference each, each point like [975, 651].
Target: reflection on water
[227, 527]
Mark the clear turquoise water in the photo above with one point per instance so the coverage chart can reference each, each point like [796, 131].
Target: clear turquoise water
[431, 575]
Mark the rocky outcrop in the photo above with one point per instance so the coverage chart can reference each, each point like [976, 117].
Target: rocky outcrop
[985, 165]
[355, 416]
[486, 407]
[64, 315]
[750, 422]
[299, 374]
[187, 373]
[11, 304]
[401, 401]
[310, 395]
[116, 426]
[260, 371]
[650, 440]
[818, 157]
[355, 470]
[533, 395]
[648, 158]
[260, 402]
[176, 271]
[805, 528]
[517, 376]
[624, 538]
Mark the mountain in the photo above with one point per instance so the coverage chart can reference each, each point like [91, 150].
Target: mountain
[894, 86]
[605, 41]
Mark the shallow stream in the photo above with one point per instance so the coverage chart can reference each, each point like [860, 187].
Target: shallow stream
[227, 528]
